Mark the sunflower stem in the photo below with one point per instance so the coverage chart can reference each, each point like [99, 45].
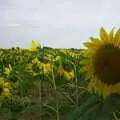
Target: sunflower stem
[76, 87]
[115, 116]
[40, 97]
[54, 87]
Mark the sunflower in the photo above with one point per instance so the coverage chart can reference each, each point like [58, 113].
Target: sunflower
[8, 70]
[19, 58]
[102, 63]
[69, 74]
[34, 45]
[59, 62]
[4, 89]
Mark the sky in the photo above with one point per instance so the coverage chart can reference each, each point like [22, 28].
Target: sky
[55, 23]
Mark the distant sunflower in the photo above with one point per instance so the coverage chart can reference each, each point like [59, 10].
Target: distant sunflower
[34, 45]
[102, 63]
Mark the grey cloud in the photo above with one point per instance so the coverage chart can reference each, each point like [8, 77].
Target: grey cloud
[55, 23]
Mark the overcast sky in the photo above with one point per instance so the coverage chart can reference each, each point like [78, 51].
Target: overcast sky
[55, 23]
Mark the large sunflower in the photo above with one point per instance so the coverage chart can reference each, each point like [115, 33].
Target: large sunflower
[102, 63]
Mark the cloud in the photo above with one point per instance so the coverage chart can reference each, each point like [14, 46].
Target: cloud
[64, 23]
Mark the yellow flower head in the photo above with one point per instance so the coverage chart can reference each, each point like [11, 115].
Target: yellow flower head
[6, 92]
[34, 69]
[8, 70]
[4, 83]
[46, 68]
[35, 60]
[19, 58]
[102, 63]
[4, 89]
[69, 75]
[58, 58]
[34, 45]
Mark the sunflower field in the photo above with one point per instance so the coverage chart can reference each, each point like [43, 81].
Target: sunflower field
[42, 83]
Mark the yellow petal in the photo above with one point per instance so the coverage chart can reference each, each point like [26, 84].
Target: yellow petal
[90, 86]
[111, 37]
[33, 45]
[103, 35]
[87, 44]
[106, 91]
[35, 60]
[10, 67]
[115, 88]
[88, 76]
[117, 38]
[83, 69]
[94, 39]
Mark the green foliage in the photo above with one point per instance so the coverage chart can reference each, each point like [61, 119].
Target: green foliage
[50, 95]
[96, 108]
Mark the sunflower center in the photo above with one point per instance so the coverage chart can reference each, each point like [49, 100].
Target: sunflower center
[106, 64]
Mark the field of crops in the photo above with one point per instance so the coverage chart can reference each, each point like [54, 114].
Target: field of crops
[47, 84]
[39, 83]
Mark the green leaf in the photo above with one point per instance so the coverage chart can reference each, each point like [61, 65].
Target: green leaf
[96, 108]
[5, 112]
